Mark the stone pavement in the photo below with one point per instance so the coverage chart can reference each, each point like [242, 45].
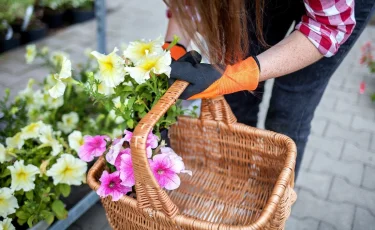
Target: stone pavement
[336, 186]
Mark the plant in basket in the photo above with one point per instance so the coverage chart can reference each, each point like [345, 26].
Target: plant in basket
[135, 82]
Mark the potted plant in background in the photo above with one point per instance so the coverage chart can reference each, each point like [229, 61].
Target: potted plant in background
[80, 10]
[8, 38]
[27, 22]
[53, 12]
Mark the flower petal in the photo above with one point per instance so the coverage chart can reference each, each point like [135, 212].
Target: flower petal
[58, 90]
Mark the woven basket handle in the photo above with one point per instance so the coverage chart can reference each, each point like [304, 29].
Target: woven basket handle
[149, 193]
[217, 109]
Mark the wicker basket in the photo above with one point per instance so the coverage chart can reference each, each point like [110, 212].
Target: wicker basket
[243, 177]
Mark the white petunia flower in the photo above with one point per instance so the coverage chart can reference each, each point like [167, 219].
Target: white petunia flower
[113, 116]
[6, 224]
[103, 89]
[4, 154]
[64, 75]
[69, 122]
[15, 142]
[57, 58]
[28, 92]
[117, 102]
[53, 103]
[23, 176]
[111, 68]
[32, 130]
[8, 203]
[75, 140]
[68, 170]
[30, 53]
[117, 133]
[155, 63]
[47, 137]
[139, 49]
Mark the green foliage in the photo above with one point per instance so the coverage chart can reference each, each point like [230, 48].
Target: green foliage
[13, 116]
[82, 4]
[10, 9]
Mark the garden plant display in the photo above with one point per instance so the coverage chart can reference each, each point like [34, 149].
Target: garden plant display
[367, 59]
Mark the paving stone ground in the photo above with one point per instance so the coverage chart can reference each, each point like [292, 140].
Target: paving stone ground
[336, 186]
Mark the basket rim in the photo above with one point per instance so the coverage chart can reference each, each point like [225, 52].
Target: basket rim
[285, 179]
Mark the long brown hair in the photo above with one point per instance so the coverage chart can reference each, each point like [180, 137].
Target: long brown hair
[222, 23]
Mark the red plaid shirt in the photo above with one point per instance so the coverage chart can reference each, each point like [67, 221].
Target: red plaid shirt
[328, 23]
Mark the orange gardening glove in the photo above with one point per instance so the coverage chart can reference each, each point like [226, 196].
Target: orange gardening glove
[177, 51]
[206, 81]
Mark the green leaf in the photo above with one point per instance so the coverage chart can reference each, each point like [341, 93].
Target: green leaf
[130, 123]
[30, 221]
[29, 195]
[22, 215]
[373, 97]
[64, 189]
[47, 216]
[59, 209]
[5, 174]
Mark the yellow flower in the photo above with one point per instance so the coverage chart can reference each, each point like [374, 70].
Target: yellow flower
[32, 130]
[47, 138]
[61, 78]
[15, 142]
[111, 68]
[30, 53]
[155, 63]
[23, 176]
[53, 103]
[5, 154]
[139, 49]
[103, 89]
[44, 50]
[68, 170]
[69, 122]
[8, 203]
[43, 167]
[6, 224]
[58, 57]
[75, 140]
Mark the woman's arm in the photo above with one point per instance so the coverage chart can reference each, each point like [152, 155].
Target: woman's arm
[291, 54]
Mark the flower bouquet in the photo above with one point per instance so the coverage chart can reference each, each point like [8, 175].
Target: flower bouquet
[132, 83]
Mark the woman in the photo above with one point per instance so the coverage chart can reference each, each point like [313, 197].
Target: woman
[247, 40]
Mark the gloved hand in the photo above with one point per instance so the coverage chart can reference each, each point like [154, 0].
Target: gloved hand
[207, 81]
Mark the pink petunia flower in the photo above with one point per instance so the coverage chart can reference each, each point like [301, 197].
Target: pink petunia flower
[118, 159]
[114, 150]
[362, 87]
[152, 140]
[128, 135]
[165, 171]
[179, 165]
[111, 186]
[126, 170]
[92, 147]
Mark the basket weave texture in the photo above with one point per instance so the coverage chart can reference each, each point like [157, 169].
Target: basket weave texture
[243, 177]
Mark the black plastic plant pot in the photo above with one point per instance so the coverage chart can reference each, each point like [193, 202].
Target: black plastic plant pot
[54, 19]
[34, 33]
[79, 15]
[12, 43]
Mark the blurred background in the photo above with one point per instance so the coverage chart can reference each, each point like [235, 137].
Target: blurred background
[336, 185]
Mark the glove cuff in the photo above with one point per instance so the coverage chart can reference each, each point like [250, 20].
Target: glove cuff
[177, 50]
